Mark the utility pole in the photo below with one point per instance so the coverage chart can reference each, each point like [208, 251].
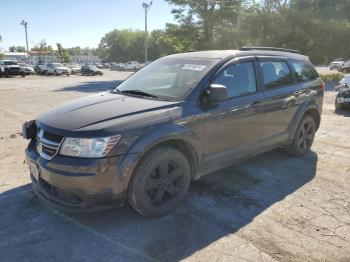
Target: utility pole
[24, 23]
[146, 7]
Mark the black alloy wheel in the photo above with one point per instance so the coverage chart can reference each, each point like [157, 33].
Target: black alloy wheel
[304, 137]
[165, 183]
[160, 181]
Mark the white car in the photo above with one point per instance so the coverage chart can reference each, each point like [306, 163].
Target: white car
[57, 69]
[75, 68]
[28, 69]
[131, 65]
[337, 63]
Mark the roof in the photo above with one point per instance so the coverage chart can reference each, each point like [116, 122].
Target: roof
[223, 54]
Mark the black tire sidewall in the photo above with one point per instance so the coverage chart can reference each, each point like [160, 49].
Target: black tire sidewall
[338, 106]
[293, 149]
[137, 187]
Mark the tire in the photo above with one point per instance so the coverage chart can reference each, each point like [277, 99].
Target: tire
[303, 137]
[337, 105]
[160, 182]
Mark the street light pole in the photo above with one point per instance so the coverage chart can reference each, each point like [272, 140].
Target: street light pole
[146, 7]
[24, 23]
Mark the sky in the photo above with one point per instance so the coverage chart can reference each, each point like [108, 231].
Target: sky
[75, 22]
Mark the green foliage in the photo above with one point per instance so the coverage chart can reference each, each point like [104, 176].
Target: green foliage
[318, 28]
[63, 54]
[75, 51]
[17, 49]
[42, 46]
[332, 77]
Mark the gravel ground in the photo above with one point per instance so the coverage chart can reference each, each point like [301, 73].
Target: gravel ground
[270, 208]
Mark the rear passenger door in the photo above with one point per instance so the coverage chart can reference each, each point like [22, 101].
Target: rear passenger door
[283, 97]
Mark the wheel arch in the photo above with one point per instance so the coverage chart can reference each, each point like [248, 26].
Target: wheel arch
[176, 136]
[311, 109]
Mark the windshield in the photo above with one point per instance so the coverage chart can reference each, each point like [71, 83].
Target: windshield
[57, 64]
[169, 78]
[10, 63]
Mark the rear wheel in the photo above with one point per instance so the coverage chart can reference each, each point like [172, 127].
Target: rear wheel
[304, 137]
[160, 182]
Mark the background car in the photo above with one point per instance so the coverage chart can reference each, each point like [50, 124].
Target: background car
[10, 68]
[75, 68]
[57, 69]
[336, 64]
[131, 65]
[117, 67]
[28, 69]
[99, 66]
[345, 68]
[343, 97]
[90, 70]
[40, 68]
[343, 83]
[106, 65]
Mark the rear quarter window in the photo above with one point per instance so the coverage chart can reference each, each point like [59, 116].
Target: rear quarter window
[303, 71]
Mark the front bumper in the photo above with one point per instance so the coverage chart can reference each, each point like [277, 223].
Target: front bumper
[76, 184]
[345, 101]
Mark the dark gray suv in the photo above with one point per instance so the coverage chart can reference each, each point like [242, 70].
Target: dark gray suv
[175, 120]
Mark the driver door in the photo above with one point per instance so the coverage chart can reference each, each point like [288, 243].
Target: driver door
[233, 127]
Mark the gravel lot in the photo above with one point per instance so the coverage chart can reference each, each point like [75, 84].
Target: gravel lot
[270, 208]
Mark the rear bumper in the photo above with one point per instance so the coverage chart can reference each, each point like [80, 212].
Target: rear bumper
[76, 184]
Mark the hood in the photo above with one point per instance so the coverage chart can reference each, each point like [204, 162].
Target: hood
[12, 66]
[106, 110]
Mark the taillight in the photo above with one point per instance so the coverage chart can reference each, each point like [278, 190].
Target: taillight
[322, 86]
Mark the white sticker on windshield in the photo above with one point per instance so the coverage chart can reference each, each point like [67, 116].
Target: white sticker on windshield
[193, 67]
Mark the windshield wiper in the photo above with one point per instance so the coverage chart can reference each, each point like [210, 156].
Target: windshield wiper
[136, 92]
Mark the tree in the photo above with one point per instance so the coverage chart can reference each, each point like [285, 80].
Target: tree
[63, 54]
[318, 28]
[75, 51]
[122, 45]
[42, 46]
[17, 49]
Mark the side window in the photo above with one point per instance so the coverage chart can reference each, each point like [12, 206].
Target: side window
[238, 78]
[303, 72]
[275, 74]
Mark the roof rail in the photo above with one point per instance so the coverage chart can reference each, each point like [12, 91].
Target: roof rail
[247, 48]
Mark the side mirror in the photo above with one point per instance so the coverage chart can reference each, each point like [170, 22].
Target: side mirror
[217, 92]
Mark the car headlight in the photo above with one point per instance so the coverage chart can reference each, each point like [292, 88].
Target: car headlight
[88, 147]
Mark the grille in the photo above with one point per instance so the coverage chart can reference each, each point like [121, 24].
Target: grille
[13, 69]
[48, 144]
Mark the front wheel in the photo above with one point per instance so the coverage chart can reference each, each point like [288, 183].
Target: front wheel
[303, 137]
[160, 182]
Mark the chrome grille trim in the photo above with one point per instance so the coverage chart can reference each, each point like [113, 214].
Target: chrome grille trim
[44, 142]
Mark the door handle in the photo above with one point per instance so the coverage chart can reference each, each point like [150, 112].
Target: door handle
[297, 93]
